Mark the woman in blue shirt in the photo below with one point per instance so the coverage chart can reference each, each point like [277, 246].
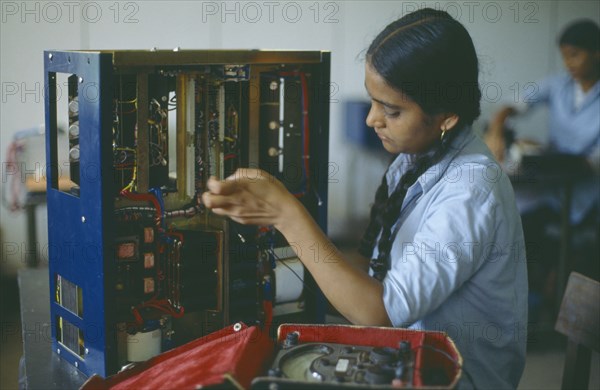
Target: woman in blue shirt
[573, 100]
[445, 237]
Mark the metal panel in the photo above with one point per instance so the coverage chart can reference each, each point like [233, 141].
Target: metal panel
[77, 226]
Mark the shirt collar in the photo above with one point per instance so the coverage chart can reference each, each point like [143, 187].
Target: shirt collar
[569, 90]
[590, 95]
[404, 162]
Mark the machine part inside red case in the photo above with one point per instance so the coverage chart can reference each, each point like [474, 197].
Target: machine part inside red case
[341, 356]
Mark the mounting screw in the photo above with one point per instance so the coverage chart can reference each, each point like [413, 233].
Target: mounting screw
[276, 372]
[50, 56]
[87, 351]
[82, 219]
[76, 365]
[58, 351]
[80, 79]
[291, 340]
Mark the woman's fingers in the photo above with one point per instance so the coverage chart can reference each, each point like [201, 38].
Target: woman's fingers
[249, 175]
[221, 187]
[212, 200]
[234, 183]
[240, 215]
[249, 196]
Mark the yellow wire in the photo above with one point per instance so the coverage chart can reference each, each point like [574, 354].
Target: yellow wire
[126, 149]
[131, 184]
[127, 101]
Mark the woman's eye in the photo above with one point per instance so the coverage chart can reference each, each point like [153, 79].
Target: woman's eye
[391, 114]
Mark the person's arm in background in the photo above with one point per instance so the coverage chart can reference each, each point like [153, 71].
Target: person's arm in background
[494, 136]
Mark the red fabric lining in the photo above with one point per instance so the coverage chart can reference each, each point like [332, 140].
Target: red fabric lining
[204, 362]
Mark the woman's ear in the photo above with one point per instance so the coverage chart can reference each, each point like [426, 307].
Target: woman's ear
[449, 122]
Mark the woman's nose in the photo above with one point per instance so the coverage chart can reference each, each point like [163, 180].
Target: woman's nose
[373, 118]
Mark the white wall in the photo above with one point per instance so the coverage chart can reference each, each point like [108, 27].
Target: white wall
[515, 41]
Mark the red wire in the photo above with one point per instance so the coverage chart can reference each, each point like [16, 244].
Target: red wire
[147, 198]
[306, 128]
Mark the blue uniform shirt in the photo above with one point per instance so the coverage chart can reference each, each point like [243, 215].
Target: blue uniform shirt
[458, 261]
[572, 130]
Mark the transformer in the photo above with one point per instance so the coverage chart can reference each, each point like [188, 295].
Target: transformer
[137, 265]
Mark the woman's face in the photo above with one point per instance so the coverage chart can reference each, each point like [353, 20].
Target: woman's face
[582, 64]
[399, 122]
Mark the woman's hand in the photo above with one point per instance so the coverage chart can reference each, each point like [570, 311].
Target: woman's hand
[251, 196]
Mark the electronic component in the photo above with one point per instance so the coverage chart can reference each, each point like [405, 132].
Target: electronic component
[343, 364]
[152, 268]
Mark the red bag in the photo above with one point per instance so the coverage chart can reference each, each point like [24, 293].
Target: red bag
[237, 354]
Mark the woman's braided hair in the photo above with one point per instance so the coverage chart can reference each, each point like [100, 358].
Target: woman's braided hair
[430, 58]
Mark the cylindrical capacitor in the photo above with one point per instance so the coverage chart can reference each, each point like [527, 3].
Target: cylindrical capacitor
[74, 107]
[74, 153]
[74, 130]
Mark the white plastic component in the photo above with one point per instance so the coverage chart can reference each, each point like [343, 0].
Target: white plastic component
[143, 345]
[342, 366]
[288, 287]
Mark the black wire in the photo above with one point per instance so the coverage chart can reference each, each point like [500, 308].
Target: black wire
[452, 359]
[271, 252]
[290, 268]
[441, 351]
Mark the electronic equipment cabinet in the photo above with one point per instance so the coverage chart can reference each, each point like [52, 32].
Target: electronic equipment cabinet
[137, 265]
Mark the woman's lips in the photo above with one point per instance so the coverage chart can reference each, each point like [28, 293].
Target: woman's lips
[381, 137]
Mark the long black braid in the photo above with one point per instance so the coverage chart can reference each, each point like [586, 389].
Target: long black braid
[386, 210]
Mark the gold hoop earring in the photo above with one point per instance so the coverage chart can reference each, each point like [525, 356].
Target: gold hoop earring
[442, 135]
